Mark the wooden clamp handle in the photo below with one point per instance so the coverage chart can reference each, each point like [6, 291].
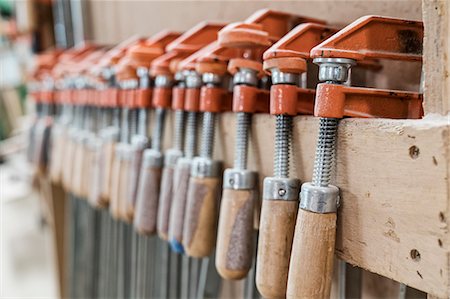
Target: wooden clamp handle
[200, 223]
[234, 253]
[124, 185]
[311, 266]
[181, 177]
[276, 231]
[57, 153]
[165, 202]
[132, 179]
[68, 166]
[115, 182]
[147, 199]
[107, 157]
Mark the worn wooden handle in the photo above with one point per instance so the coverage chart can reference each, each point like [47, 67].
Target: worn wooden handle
[200, 223]
[124, 189]
[234, 251]
[311, 266]
[165, 202]
[178, 209]
[68, 165]
[276, 231]
[135, 156]
[42, 139]
[115, 183]
[106, 174]
[147, 200]
[57, 154]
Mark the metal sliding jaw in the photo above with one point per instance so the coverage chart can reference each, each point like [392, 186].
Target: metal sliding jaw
[372, 37]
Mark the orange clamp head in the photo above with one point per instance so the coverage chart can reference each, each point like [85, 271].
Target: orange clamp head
[182, 47]
[261, 29]
[290, 53]
[372, 37]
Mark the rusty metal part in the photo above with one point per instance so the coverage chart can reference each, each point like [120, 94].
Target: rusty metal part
[375, 37]
[370, 37]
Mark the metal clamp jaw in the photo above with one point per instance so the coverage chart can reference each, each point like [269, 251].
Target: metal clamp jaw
[254, 35]
[164, 67]
[286, 61]
[370, 37]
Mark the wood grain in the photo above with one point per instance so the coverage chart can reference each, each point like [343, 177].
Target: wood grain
[178, 209]
[115, 183]
[276, 232]
[133, 180]
[202, 211]
[68, 165]
[311, 265]
[147, 200]
[57, 153]
[165, 202]
[108, 149]
[436, 62]
[234, 253]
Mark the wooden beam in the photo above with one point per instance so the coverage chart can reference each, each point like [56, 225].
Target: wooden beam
[436, 58]
[150, 17]
[394, 181]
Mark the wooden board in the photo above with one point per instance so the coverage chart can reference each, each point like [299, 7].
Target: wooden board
[437, 55]
[113, 21]
[394, 179]
[395, 205]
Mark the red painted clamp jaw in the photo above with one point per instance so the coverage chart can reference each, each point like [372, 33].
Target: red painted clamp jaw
[178, 50]
[289, 55]
[370, 37]
[254, 35]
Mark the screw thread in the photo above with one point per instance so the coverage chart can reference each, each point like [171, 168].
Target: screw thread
[325, 152]
[158, 129]
[125, 125]
[179, 130]
[243, 121]
[208, 127]
[283, 142]
[142, 122]
[133, 122]
[191, 134]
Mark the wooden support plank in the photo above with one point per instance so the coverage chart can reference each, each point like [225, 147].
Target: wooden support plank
[436, 59]
[394, 180]
[125, 18]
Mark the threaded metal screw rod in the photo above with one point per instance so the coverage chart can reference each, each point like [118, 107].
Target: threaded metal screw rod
[208, 127]
[158, 129]
[283, 142]
[243, 121]
[125, 127]
[191, 134]
[179, 130]
[133, 122]
[325, 152]
[142, 121]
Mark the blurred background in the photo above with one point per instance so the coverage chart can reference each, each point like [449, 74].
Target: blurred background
[28, 255]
